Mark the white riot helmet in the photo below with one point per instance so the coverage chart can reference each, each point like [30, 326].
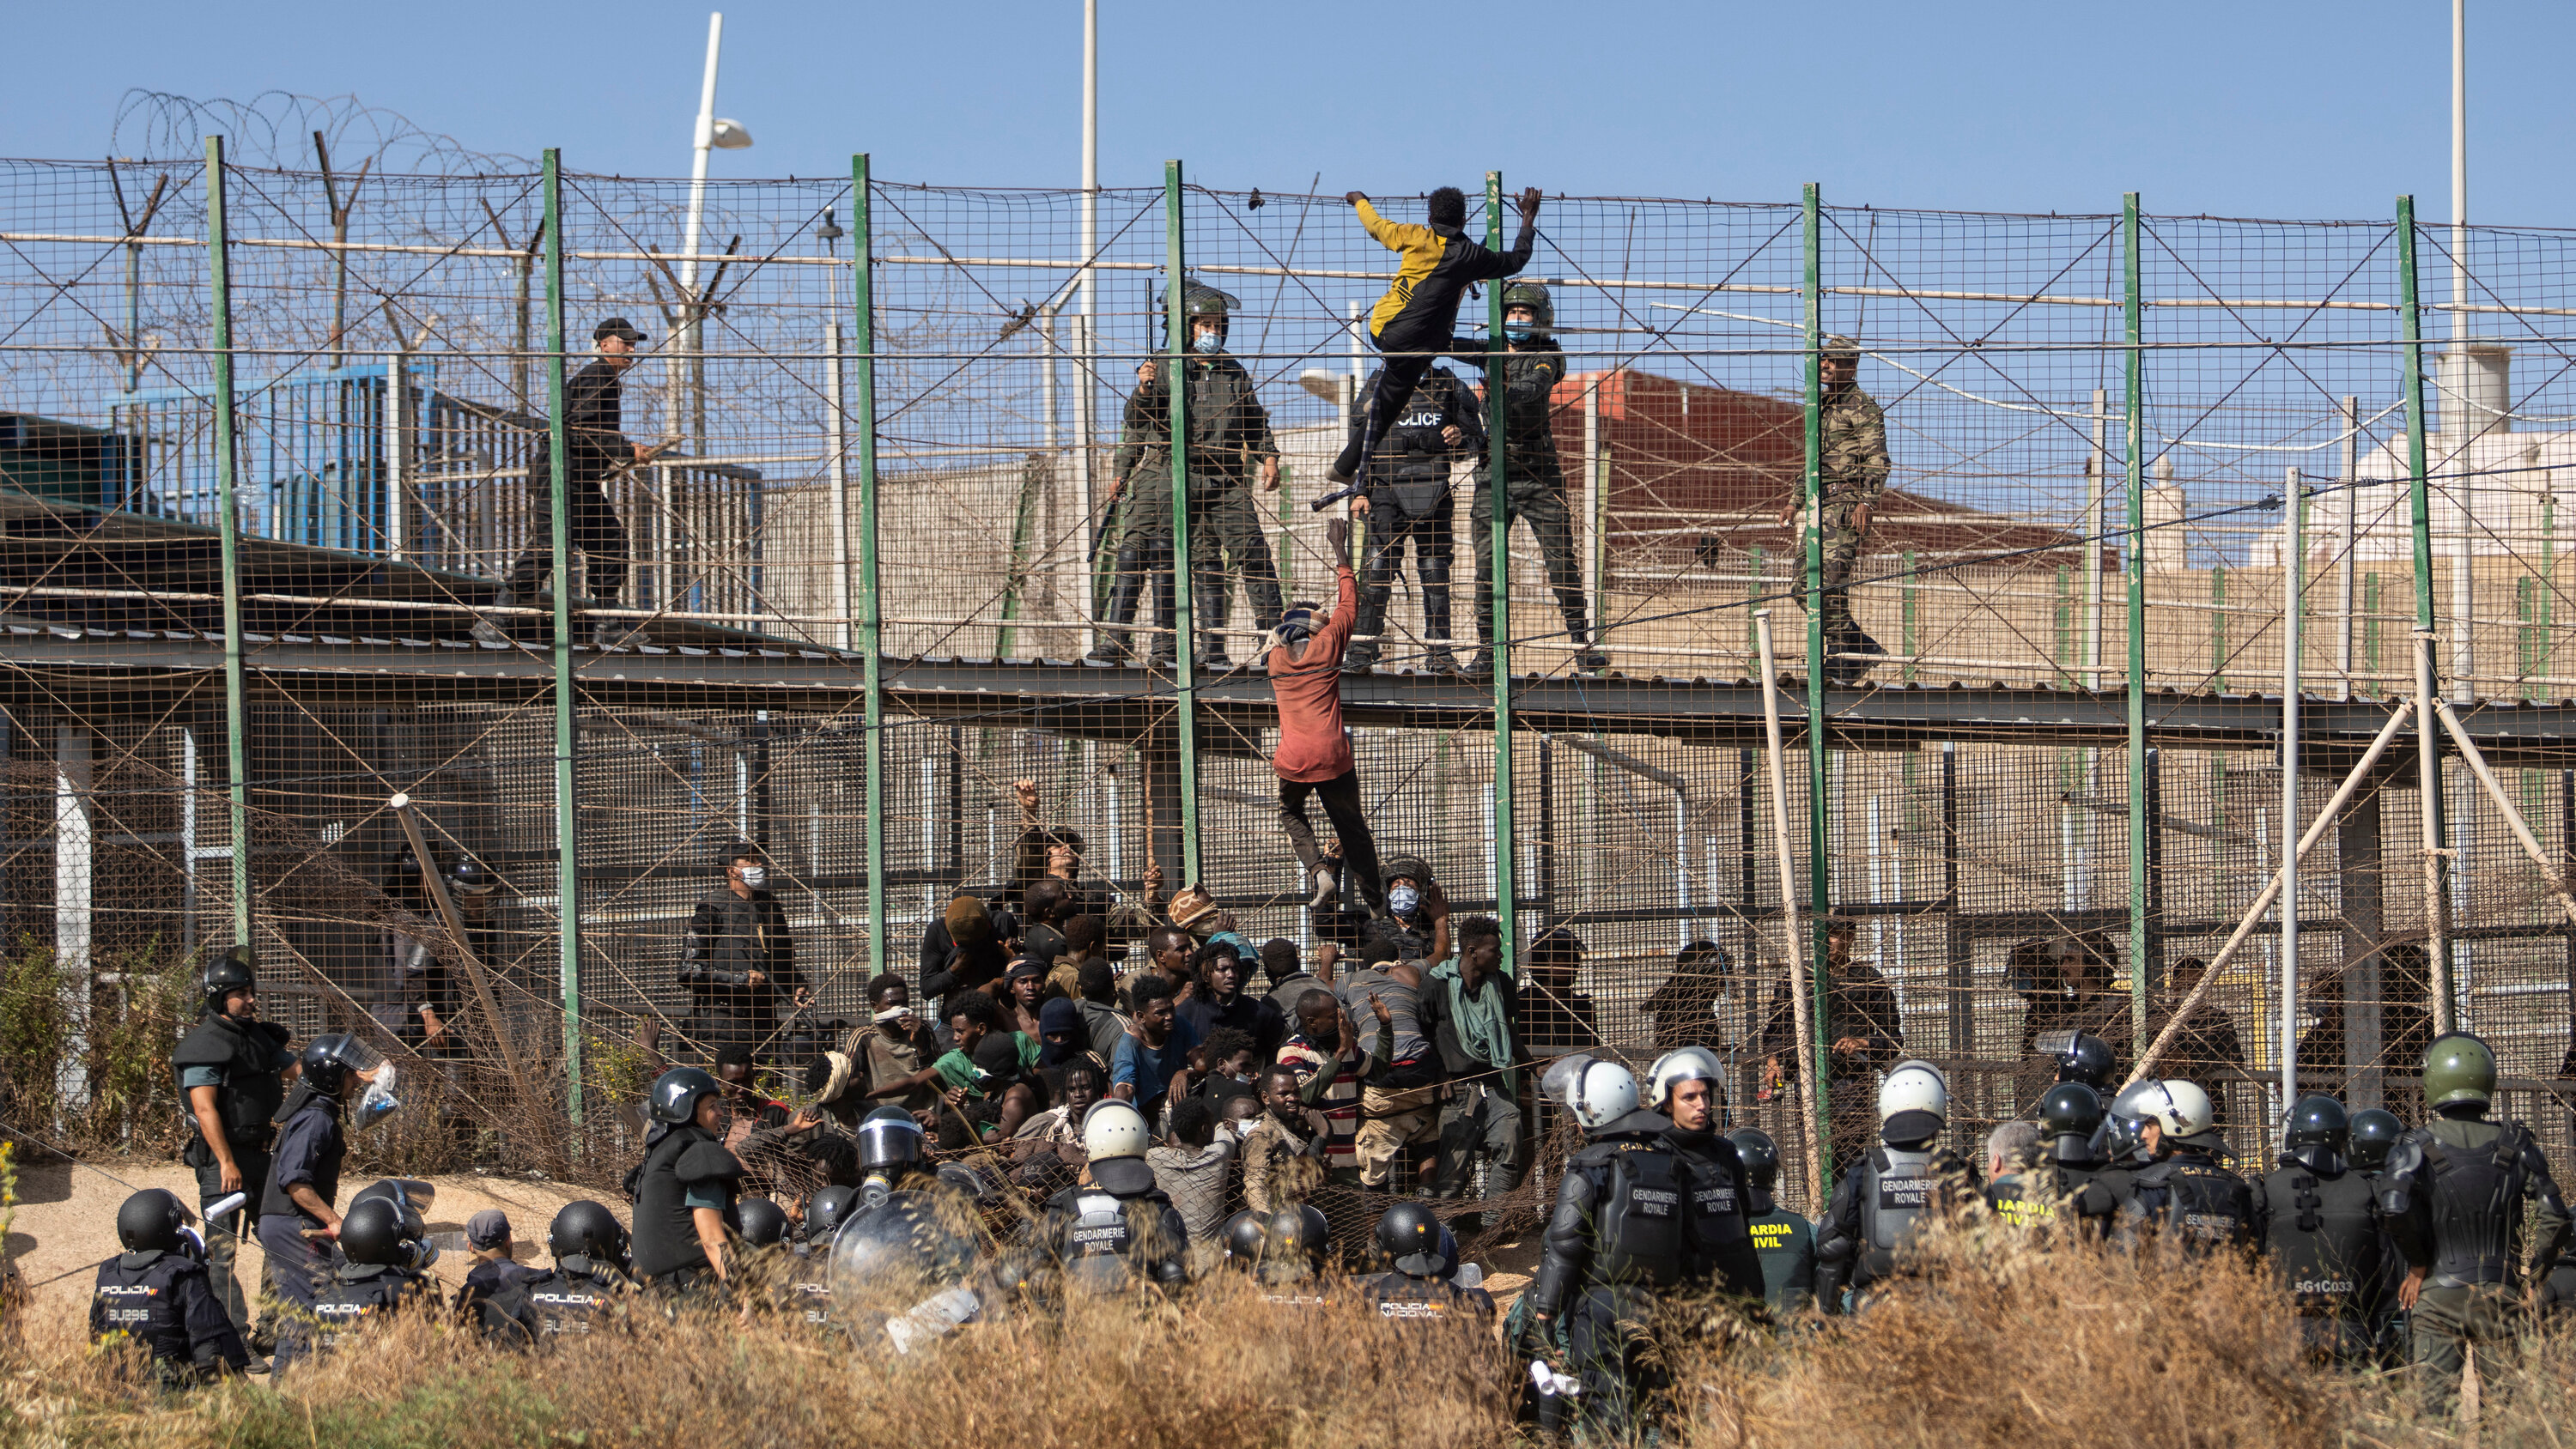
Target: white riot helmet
[1685, 1064]
[1596, 1092]
[1913, 1102]
[1114, 1129]
[2179, 1107]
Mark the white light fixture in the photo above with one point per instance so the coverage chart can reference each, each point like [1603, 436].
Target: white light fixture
[1325, 385]
[729, 135]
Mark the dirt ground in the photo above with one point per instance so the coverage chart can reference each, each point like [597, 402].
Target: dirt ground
[64, 1225]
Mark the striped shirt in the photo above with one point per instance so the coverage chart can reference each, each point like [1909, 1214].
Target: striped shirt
[1338, 1099]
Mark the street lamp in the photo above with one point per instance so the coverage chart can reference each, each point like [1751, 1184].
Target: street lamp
[713, 134]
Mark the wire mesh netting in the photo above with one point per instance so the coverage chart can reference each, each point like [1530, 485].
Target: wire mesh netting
[856, 560]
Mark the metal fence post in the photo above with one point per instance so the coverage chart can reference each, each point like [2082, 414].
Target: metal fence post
[219, 285]
[1497, 487]
[871, 631]
[1819, 881]
[2428, 747]
[567, 817]
[2134, 433]
[1185, 673]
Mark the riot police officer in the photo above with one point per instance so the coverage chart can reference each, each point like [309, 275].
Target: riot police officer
[231, 1068]
[2319, 1224]
[890, 1153]
[1533, 477]
[590, 1279]
[760, 1222]
[1407, 497]
[298, 1219]
[2374, 1132]
[1783, 1239]
[825, 1210]
[386, 1253]
[1891, 1191]
[1684, 1085]
[1422, 1256]
[2184, 1195]
[1622, 1232]
[156, 1293]
[2081, 1057]
[2453, 1193]
[687, 1183]
[2070, 1182]
[1117, 1228]
[1284, 1250]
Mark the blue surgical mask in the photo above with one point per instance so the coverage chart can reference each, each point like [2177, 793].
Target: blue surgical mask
[1209, 344]
[1518, 331]
[1404, 900]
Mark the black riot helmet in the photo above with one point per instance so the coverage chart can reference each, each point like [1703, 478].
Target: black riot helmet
[889, 1139]
[2318, 1120]
[379, 1232]
[2086, 1058]
[2373, 1132]
[2070, 1109]
[1416, 1242]
[328, 1060]
[1759, 1154]
[1244, 1237]
[587, 1229]
[469, 877]
[227, 974]
[152, 1219]
[762, 1223]
[1298, 1239]
[674, 1095]
[827, 1209]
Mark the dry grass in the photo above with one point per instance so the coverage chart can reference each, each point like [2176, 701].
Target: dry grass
[1996, 1344]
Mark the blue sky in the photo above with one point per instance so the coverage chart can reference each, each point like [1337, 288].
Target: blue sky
[2316, 110]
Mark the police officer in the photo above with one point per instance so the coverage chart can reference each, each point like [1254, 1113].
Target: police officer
[738, 958]
[1891, 1190]
[1854, 468]
[1284, 1250]
[156, 1293]
[2065, 1184]
[890, 1154]
[2081, 1057]
[1407, 497]
[825, 1210]
[386, 1253]
[2454, 1195]
[231, 1067]
[1623, 1230]
[760, 1222]
[1783, 1239]
[1229, 443]
[1533, 477]
[1116, 1227]
[1683, 1086]
[2319, 1224]
[2374, 1132]
[685, 1187]
[298, 1218]
[590, 1281]
[1423, 1257]
[2184, 1195]
[2123, 1138]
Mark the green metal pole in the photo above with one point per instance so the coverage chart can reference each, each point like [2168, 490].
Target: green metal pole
[567, 817]
[871, 621]
[1185, 647]
[219, 283]
[2428, 749]
[1506, 887]
[2134, 431]
[1819, 877]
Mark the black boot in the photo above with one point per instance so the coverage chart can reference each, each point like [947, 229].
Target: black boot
[1116, 618]
[1435, 622]
[1164, 651]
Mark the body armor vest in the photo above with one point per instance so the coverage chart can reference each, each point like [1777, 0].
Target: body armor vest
[1095, 1247]
[252, 1091]
[666, 1232]
[2477, 1206]
[1786, 1244]
[2202, 1205]
[2324, 1233]
[1412, 459]
[1639, 1241]
[1895, 1193]
[347, 1302]
[137, 1295]
[1400, 1296]
[570, 1299]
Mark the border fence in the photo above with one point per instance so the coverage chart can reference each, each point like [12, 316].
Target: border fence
[2201, 535]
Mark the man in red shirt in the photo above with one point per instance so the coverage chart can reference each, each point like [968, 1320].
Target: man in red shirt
[1314, 755]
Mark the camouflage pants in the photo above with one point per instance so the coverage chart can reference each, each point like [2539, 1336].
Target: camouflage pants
[1229, 523]
[1533, 492]
[2446, 1321]
[1842, 556]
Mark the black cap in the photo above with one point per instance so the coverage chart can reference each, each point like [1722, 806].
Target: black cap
[617, 327]
[1024, 966]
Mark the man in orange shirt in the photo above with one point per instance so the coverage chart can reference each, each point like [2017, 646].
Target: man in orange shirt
[1314, 755]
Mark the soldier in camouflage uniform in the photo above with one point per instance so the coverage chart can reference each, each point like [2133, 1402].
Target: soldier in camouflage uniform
[1854, 473]
[1229, 444]
[1534, 480]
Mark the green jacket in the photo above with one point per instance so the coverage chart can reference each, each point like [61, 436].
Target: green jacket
[1229, 429]
[1531, 371]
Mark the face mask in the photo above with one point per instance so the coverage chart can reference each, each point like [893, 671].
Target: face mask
[755, 876]
[1518, 331]
[1209, 343]
[1404, 900]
